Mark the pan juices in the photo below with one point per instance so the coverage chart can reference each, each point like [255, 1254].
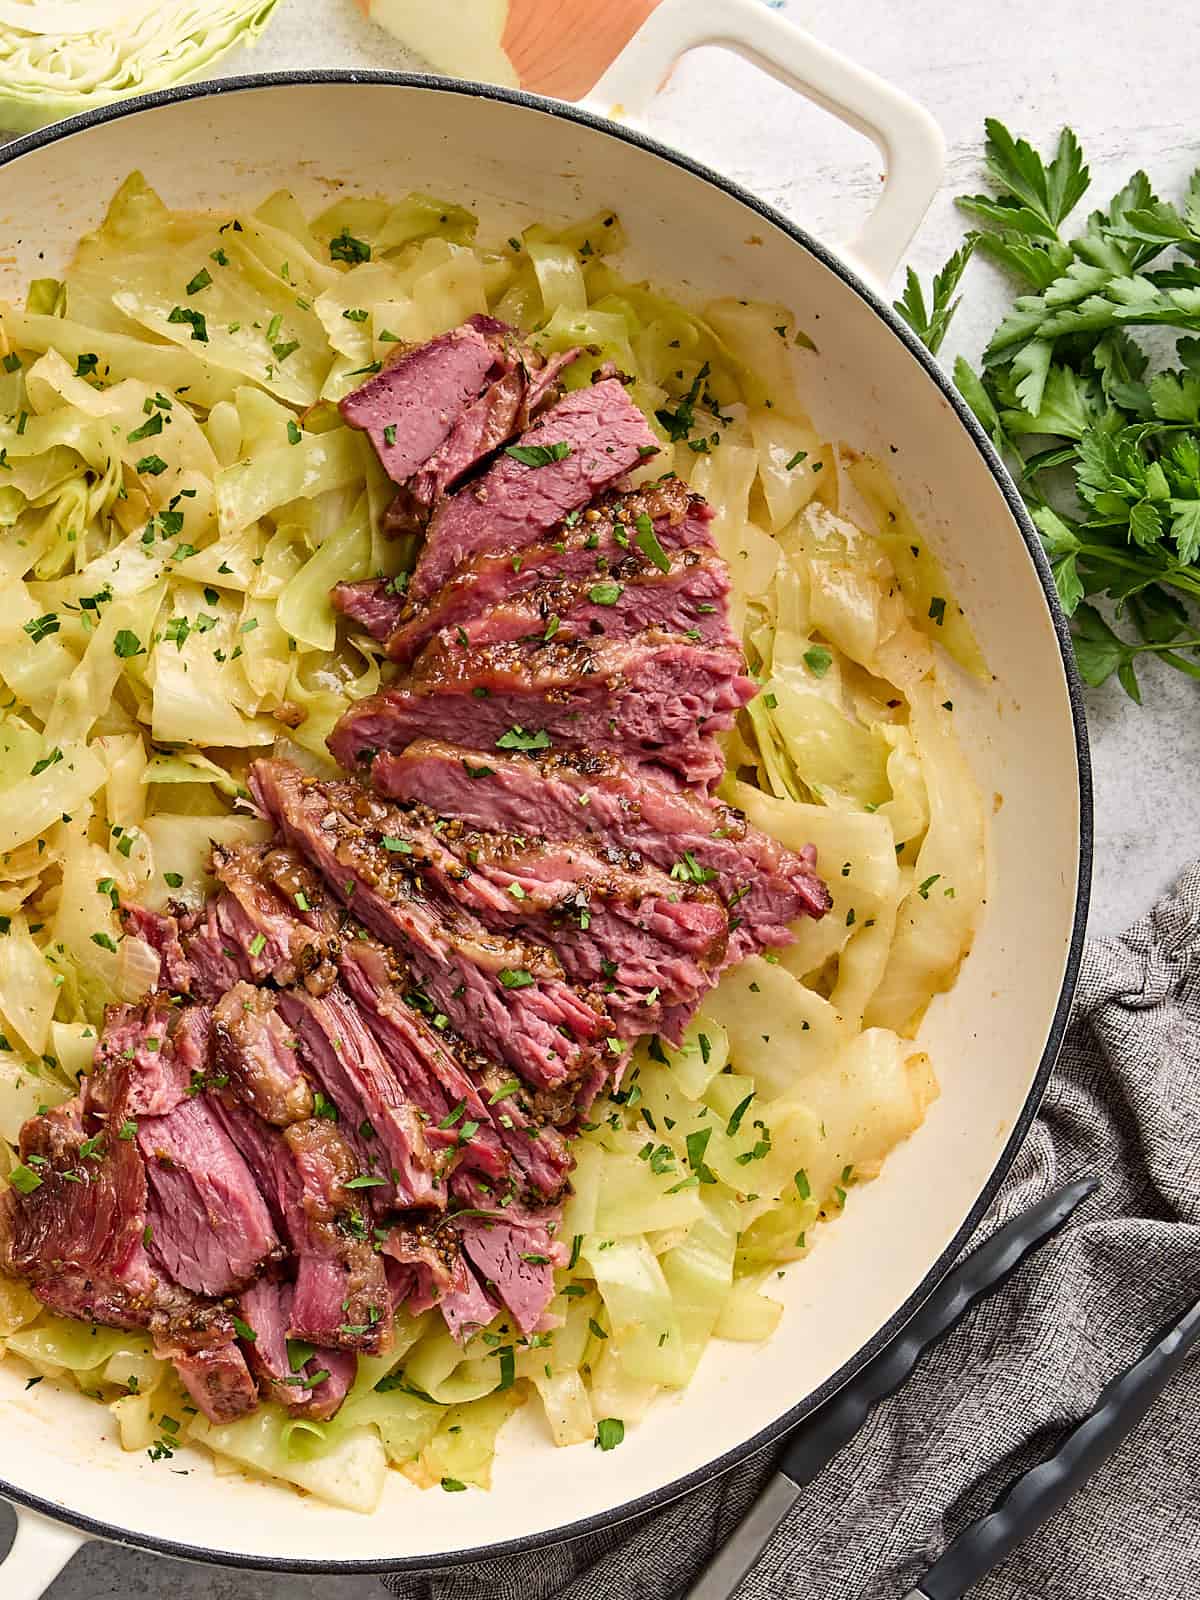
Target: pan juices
[552, 47]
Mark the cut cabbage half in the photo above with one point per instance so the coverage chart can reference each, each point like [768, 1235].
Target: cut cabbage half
[75, 55]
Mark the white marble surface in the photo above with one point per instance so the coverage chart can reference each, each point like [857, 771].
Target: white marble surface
[1125, 80]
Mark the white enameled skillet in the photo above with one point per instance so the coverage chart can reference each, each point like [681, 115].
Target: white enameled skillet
[514, 158]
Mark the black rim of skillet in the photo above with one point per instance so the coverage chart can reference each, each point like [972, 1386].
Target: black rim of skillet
[658, 1498]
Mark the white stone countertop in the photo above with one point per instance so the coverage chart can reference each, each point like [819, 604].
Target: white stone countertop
[1125, 82]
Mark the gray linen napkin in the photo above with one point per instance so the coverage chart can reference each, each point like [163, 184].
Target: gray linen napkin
[1124, 1103]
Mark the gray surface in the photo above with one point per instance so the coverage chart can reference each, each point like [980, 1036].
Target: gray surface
[1129, 93]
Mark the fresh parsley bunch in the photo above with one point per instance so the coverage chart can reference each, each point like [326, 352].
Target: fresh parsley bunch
[1103, 438]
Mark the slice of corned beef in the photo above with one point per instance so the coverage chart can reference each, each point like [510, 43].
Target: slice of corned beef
[146, 1054]
[77, 1239]
[210, 1227]
[655, 699]
[514, 1250]
[426, 1268]
[261, 916]
[264, 1307]
[652, 945]
[216, 1377]
[160, 933]
[500, 995]
[341, 1053]
[506, 407]
[425, 1069]
[409, 408]
[372, 603]
[580, 447]
[689, 600]
[256, 1052]
[425, 1060]
[340, 1285]
[568, 552]
[696, 838]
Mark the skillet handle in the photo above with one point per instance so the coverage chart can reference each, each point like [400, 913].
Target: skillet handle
[905, 134]
[39, 1552]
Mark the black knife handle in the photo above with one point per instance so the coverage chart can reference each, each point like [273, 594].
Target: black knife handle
[1041, 1491]
[816, 1441]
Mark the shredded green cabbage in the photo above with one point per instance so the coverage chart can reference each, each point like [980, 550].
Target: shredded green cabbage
[179, 498]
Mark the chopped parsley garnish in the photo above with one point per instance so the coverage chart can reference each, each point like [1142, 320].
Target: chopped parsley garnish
[504, 1091]
[818, 660]
[85, 365]
[244, 1330]
[258, 944]
[647, 543]
[453, 1486]
[801, 455]
[477, 772]
[924, 888]
[355, 314]
[127, 644]
[347, 248]
[396, 846]
[39, 628]
[51, 760]
[152, 425]
[538, 455]
[151, 466]
[105, 941]
[366, 1180]
[195, 319]
[201, 281]
[689, 870]
[516, 978]
[605, 594]
[389, 433]
[803, 1189]
[293, 432]
[24, 1179]
[937, 610]
[173, 880]
[518, 738]
[610, 1431]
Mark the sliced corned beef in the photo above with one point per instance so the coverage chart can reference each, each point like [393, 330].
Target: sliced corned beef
[260, 916]
[256, 1051]
[77, 1239]
[341, 1053]
[582, 446]
[409, 408]
[435, 1080]
[567, 553]
[340, 1284]
[652, 945]
[425, 1069]
[655, 698]
[372, 603]
[264, 1306]
[210, 1227]
[487, 986]
[161, 933]
[517, 1256]
[601, 797]
[139, 1060]
[513, 1249]
[216, 1377]
[506, 407]
[689, 600]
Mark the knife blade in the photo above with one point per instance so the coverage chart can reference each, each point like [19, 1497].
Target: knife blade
[1038, 1493]
[819, 1437]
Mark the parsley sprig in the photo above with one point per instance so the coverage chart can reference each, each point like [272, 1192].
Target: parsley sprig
[1102, 435]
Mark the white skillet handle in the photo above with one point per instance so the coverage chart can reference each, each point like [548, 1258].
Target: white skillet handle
[39, 1553]
[907, 137]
